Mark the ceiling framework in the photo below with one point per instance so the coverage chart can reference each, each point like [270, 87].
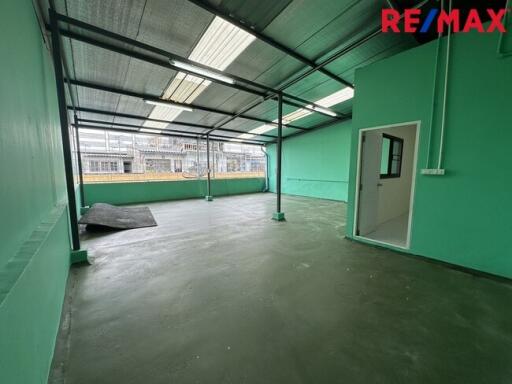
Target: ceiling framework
[125, 128]
[144, 118]
[241, 84]
[111, 69]
[149, 97]
[320, 67]
[288, 51]
[138, 117]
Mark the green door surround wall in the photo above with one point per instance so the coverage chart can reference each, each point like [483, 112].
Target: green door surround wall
[463, 217]
[315, 164]
[144, 192]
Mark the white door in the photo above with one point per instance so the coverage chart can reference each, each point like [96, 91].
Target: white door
[371, 148]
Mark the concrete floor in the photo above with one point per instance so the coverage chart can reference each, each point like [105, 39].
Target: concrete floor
[218, 293]
[392, 232]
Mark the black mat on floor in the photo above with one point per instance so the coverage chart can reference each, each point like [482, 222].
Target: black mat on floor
[108, 216]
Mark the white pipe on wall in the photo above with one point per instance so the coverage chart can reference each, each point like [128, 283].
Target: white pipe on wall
[434, 86]
[445, 93]
[500, 39]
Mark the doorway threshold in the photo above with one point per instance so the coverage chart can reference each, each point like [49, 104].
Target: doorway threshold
[392, 232]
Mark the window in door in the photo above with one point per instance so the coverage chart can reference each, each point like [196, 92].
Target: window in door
[391, 160]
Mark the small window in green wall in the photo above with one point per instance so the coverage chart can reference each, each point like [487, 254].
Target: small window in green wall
[391, 157]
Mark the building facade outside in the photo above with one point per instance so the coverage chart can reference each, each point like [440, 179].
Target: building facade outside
[118, 156]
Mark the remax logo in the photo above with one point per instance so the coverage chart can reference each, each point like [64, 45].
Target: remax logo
[413, 20]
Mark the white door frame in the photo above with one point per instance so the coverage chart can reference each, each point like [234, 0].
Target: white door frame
[417, 123]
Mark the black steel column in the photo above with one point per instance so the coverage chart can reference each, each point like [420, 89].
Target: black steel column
[209, 196]
[278, 215]
[64, 129]
[198, 169]
[79, 161]
[213, 161]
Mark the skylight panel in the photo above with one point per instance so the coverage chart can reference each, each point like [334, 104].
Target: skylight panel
[161, 113]
[298, 114]
[246, 136]
[326, 102]
[168, 104]
[146, 130]
[336, 98]
[219, 46]
[263, 129]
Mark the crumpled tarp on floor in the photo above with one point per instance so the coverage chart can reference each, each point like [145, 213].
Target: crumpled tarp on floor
[102, 215]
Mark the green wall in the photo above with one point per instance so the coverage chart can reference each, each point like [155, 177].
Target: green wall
[31, 295]
[129, 193]
[315, 164]
[34, 240]
[463, 217]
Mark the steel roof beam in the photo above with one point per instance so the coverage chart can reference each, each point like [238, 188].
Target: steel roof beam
[171, 134]
[138, 117]
[239, 113]
[271, 93]
[332, 58]
[136, 128]
[343, 51]
[145, 96]
[191, 125]
[303, 103]
[204, 5]
[316, 127]
[151, 60]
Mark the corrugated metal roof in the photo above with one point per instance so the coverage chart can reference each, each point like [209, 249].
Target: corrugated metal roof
[312, 28]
